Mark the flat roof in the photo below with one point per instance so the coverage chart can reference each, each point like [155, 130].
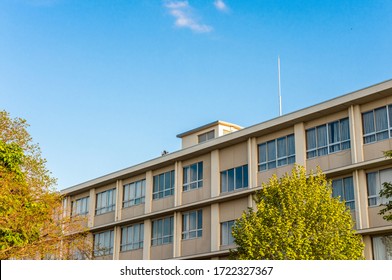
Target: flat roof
[215, 123]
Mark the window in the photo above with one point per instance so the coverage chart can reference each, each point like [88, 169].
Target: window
[80, 206]
[103, 243]
[328, 138]
[344, 188]
[134, 193]
[106, 202]
[226, 236]
[382, 247]
[277, 152]
[377, 124]
[162, 231]
[132, 237]
[193, 176]
[192, 224]
[374, 184]
[163, 185]
[206, 136]
[234, 179]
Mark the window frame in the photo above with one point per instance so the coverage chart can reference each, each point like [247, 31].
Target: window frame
[162, 190]
[132, 196]
[226, 234]
[188, 183]
[373, 188]
[129, 240]
[270, 156]
[107, 202]
[105, 250]
[192, 227]
[350, 203]
[226, 176]
[377, 134]
[79, 204]
[206, 136]
[159, 234]
[320, 141]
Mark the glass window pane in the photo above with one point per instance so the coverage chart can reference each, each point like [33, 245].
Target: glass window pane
[311, 139]
[345, 129]
[381, 119]
[348, 188]
[224, 182]
[282, 147]
[230, 175]
[193, 172]
[245, 173]
[271, 150]
[290, 145]
[334, 132]
[337, 188]
[200, 170]
[368, 122]
[238, 178]
[321, 136]
[372, 183]
[262, 153]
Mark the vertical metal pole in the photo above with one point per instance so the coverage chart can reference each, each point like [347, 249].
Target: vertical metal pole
[279, 93]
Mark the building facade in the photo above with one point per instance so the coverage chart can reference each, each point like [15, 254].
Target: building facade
[182, 205]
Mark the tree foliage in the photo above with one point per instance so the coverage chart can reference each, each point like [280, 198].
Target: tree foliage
[386, 192]
[32, 223]
[297, 218]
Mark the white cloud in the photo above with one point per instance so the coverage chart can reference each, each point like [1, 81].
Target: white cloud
[220, 5]
[184, 18]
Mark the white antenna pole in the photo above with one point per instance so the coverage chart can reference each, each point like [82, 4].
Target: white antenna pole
[279, 93]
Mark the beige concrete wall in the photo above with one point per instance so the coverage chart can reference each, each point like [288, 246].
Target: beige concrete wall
[330, 161]
[368, 250]
[375, 150]
[264, 176]
[133, 211]
[376, 220]
[376, 104]
[201, 244]
[200, 193]
[104, 219]
[161, 252]
[232, 210]
[233, 156]
[131, 255]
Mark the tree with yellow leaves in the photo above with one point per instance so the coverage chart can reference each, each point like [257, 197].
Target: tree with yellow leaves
[32, 222]
[297, 219]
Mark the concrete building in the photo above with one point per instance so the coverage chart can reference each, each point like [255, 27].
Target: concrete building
[183, 204]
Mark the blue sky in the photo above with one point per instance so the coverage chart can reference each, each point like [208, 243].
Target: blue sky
[109, 84]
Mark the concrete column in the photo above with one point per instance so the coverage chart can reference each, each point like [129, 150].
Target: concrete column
[355, 119]
[91, 210]
[148, 199]
[147, 239]
[119, 199]
[215, 227]
[361, 199]
[177, 234]
[300, 144]
[178, 182]
[215, 174]
[252, 162]
[116, 243]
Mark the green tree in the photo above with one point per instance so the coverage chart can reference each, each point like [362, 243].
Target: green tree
[297, 218]
[386, 192]
[32, 223]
